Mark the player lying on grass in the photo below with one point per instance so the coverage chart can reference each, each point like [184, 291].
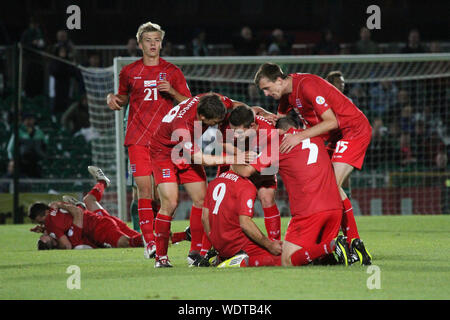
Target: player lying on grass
[86, 222]
[75, 226]
[314, 199]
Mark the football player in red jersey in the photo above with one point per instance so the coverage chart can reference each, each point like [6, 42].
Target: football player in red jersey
[329, 114]
[227, 220]
[152, 86]
[314, 199]
[178, 133]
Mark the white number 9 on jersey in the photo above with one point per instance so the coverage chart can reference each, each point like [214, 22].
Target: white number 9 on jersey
[218, 194]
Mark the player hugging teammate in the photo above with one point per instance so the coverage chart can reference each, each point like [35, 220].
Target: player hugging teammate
[160, 105]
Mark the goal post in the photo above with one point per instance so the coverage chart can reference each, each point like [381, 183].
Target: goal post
[395, 91]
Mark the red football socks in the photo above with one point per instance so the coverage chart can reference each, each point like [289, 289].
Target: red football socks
[98, 190]
[145, 212]
[348, 223]
[305, 256]
[178, 236]
[272, 221]
[206, 245]
[196, 229]
[162, 230]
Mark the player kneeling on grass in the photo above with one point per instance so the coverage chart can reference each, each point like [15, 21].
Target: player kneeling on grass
[314, 198]
[73, 223]
[227, 221]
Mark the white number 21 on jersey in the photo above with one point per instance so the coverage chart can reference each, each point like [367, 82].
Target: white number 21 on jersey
[151, 94]
[218, 194]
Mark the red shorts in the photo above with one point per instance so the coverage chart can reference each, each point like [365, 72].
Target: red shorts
[350, 149]
[140, 161]
[107, 232]
[166, 171]
[122, 225]
[76, 238]
[313, 229]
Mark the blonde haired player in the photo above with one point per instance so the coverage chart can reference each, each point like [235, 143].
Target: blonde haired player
[151, 86]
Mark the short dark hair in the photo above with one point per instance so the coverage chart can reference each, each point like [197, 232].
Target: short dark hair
[269, 70]
[41, 245]
[286, 122]
[242, 116]
[211, 107]
[333, 75]
[37, 209]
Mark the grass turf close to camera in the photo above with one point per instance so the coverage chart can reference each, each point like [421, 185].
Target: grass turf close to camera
[411, 252]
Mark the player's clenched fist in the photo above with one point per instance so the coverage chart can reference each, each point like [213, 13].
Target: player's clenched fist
[115, 101]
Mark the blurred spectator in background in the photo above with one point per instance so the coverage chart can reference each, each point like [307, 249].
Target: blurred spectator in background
[327, 45]
[383, 97]
[77, 116]
[365, 45]
[61, 74]
[198, 46]
[254, 99]
[402, 100]
[380, 145]
[167, 49]
[7, 187]
[279, 43]
[32, 145]
[406, 154]
[413, 45]
[406, 120]
[245, 44]
[33, 37]
[132, 48]
[435, 47]
[336, 78]
[62, 40]
[94, 60]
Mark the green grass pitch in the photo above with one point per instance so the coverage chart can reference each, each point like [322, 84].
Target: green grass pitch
[412, 254]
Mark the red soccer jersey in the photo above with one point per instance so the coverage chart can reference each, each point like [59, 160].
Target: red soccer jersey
[180, 119]
[308, 175]
[227, 197]
[147, 105]
[311, 96]
[57, 223]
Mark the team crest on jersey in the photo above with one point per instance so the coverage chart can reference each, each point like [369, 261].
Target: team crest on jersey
[320, 100]
[149, 83]
[298, 103]
[166, 173]
[162, 76]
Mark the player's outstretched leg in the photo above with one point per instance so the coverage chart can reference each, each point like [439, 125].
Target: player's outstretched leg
[98, 175]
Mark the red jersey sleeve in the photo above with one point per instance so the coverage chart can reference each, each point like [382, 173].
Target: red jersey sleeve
[123, 82]
[247, 196]
[316, 92]
[179, 83]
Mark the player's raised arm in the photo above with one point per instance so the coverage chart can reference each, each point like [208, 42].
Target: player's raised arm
[116, 101]
[74, 211]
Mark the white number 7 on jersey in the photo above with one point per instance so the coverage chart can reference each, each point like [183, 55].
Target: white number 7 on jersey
[218, 194]
[313, 150]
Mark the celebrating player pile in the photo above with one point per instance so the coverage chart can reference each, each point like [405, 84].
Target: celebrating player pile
[162, 139]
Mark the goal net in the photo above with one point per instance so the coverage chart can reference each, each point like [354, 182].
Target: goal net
[405, 98]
